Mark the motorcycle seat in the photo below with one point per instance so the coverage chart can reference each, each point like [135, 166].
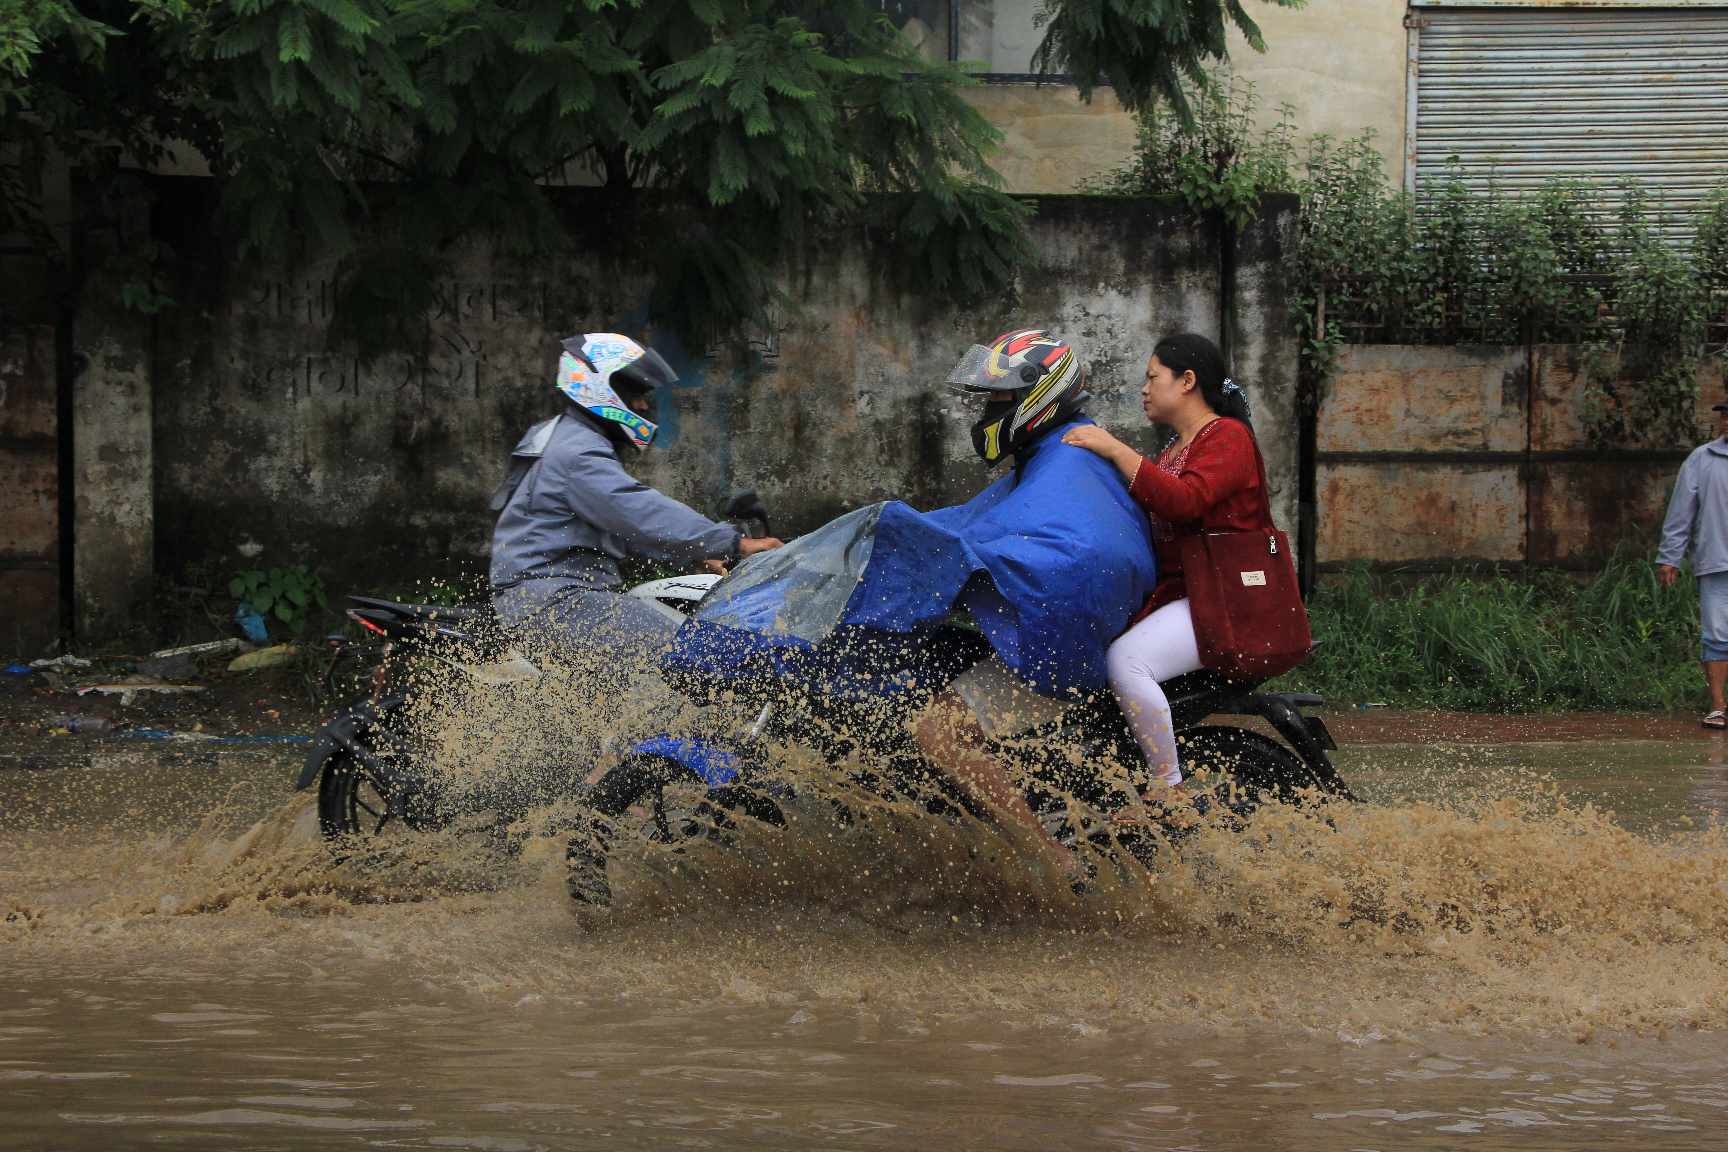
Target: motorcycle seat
[448, 613]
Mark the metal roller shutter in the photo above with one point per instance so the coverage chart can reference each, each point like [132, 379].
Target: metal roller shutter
[1525, 96]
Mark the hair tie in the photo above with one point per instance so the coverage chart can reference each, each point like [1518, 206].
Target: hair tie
[1231, 386]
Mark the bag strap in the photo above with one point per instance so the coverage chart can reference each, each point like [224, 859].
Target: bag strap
[1265, 492]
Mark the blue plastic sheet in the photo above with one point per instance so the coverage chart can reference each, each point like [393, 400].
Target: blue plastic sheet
[1050, 561]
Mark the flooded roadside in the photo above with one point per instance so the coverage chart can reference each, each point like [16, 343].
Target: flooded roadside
[1537, 964]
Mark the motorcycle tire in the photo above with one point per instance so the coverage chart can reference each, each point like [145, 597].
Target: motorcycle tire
[642, 781]
[1257, 767]
[355, 802]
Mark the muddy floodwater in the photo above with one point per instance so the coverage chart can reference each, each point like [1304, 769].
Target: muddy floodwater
[1508, 945]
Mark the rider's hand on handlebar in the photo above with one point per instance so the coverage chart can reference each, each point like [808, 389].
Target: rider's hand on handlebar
[717, 567]
[749, 546]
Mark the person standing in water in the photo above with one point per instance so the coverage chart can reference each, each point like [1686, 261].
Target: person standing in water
[1207, 479]
[1698, 521]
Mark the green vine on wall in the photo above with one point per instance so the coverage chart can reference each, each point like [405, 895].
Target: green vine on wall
[1567, 264]
[1572, 263]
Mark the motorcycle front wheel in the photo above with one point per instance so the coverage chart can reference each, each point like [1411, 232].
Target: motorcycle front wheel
[678, 806]
[356, 801]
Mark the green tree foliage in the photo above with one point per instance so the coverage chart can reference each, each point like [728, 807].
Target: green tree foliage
[1149, 51]
[747, 124]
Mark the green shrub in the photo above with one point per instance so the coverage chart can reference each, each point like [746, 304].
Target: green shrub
[1492, 643]
[290, 595]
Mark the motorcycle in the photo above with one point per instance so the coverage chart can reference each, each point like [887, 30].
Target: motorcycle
[367, 760]
[1066, 762]
[370, 773]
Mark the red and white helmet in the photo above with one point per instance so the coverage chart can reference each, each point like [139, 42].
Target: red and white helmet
[1030, 381]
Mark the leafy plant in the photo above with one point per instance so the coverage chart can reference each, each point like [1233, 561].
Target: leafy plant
[291, 595]
[1210, 157]
[1565, 264]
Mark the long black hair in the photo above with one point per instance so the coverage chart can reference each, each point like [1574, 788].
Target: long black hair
[1191, 352]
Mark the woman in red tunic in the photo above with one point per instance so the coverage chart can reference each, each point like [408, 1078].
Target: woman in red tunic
[1205, 480]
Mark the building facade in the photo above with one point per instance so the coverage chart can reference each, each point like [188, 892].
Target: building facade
[1513, 92]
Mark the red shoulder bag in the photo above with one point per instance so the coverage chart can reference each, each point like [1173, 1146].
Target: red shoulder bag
[1248, 614]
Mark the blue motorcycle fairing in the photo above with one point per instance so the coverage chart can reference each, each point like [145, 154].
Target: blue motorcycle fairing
[715, 765]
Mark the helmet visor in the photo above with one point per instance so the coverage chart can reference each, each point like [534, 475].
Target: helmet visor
[646, 373]
[979, 371]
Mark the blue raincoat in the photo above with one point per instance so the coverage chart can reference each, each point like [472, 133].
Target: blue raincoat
[1050, 561]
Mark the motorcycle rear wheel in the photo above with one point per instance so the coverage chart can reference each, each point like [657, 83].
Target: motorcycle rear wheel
[1256, 767]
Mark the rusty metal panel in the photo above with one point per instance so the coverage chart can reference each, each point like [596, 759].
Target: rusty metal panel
[30, 525]
[30, 477]
[1388, 513]
[1511, 99]
[1560, 397]
[1581, 511]
[1397, 398]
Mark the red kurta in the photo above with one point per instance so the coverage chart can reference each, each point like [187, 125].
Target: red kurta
[1211, 485]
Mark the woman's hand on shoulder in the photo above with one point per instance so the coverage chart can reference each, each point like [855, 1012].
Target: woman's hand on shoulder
[1096, 440]
[1093, 438]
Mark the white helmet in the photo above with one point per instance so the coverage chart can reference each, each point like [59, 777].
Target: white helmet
[595, 366]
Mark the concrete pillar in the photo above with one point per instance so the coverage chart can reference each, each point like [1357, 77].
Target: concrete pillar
[113, 465]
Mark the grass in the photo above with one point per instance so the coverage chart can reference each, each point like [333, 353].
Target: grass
[1489, 643]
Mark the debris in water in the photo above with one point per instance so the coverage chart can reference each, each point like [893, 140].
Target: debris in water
[263, 658]
[67, 661]
[129, 688]
[207, 738]
[208, 648]
[79, 724]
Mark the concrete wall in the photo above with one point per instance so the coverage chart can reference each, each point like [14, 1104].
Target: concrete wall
[1433, 456]
[1338, 63]
[272, 444]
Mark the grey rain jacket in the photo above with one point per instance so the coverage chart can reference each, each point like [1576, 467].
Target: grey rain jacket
[1698, 512]
[573, 512]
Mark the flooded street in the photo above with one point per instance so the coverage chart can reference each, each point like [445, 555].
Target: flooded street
[186, 1062]
[1511, 945]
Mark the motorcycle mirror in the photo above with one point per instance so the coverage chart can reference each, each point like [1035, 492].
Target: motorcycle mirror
[746, 508]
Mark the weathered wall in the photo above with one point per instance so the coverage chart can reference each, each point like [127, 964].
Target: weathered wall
[29, 476]
[112, 444]
[1052, 141]
[30, 434]
[1339, 64]
[1433, 456]
[271, 444]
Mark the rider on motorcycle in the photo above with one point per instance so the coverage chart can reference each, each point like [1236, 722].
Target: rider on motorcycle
[1032, 386]
[568, 511]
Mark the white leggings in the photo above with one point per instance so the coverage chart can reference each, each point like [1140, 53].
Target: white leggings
[1158, 648]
